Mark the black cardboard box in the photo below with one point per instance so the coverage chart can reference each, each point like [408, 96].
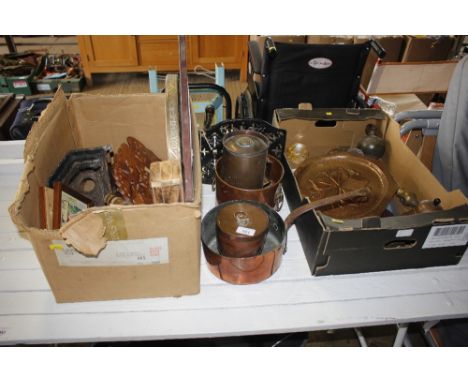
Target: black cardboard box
[374, 243]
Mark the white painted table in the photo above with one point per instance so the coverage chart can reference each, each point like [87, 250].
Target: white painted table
[291, 300]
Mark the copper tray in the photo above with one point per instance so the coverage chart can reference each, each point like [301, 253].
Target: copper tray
[335, 174]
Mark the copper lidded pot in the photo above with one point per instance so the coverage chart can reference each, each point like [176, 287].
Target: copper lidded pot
[244, 159]
[248, 269]
[229, 267]
[241, 229]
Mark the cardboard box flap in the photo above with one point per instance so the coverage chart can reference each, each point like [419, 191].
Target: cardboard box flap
[109, 119]
[413, 174]
[330, 114]
[23, 210]
[15, 208]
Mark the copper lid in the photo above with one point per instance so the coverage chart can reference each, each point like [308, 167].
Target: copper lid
[245, 143]
[244, 215]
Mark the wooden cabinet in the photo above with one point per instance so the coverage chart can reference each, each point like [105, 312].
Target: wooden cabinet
[103, 51]
[104, 54]
[207, 50]
[160, 51]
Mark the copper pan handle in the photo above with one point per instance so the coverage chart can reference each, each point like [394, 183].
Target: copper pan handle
[323, 202]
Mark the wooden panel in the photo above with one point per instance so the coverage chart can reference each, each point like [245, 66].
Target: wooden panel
[164, 54]
[218, 49]
[149, 39]
[113, 50]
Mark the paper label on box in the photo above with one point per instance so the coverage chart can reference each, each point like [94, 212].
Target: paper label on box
[404, 232]
[447, 236]
[20, 84]
[245, 231]
[43, 87]
[116, 253]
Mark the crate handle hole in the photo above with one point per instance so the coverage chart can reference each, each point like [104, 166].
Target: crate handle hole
[400, 244]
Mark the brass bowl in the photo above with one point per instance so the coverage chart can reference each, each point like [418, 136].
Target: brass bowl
[335, 174]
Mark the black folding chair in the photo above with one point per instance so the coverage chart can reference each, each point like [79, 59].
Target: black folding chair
[326, 76]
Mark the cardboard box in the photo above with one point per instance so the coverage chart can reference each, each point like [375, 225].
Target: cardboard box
[145, 254]
[393, 46]
[411, 77]
[427, 48]
[374, 243]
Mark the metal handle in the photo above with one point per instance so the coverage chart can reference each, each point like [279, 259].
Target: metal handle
[323, 202]
[375, 45]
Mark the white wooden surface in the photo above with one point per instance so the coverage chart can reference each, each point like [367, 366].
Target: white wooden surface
[291, 300]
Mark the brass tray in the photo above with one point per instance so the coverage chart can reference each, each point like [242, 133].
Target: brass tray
[337, 173]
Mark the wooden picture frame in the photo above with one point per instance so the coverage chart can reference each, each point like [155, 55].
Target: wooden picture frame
[67, 203]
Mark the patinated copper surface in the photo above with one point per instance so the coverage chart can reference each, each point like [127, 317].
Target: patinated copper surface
[244, 159]
[244, 270]
[131, 171]
[335, 174]
[253, 269]
[266, 194]
[241, 243]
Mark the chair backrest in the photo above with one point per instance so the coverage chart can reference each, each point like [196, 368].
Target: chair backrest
[450, 161]
[324, 75]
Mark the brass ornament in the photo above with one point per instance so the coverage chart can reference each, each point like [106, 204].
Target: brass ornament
[330, 175]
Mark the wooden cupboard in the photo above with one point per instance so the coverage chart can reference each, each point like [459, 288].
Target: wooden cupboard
[119, 53]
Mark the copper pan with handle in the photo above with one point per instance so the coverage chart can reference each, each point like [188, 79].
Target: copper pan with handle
[256, 268]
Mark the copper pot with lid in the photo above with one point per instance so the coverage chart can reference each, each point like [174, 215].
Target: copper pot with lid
[244, 159]
[253, 268]
[267, 194]
[241, 229]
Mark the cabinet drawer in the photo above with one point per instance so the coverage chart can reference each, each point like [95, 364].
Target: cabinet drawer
[160, 54]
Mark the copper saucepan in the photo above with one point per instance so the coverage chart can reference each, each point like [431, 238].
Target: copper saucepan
[253, 269]
[267, 194]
